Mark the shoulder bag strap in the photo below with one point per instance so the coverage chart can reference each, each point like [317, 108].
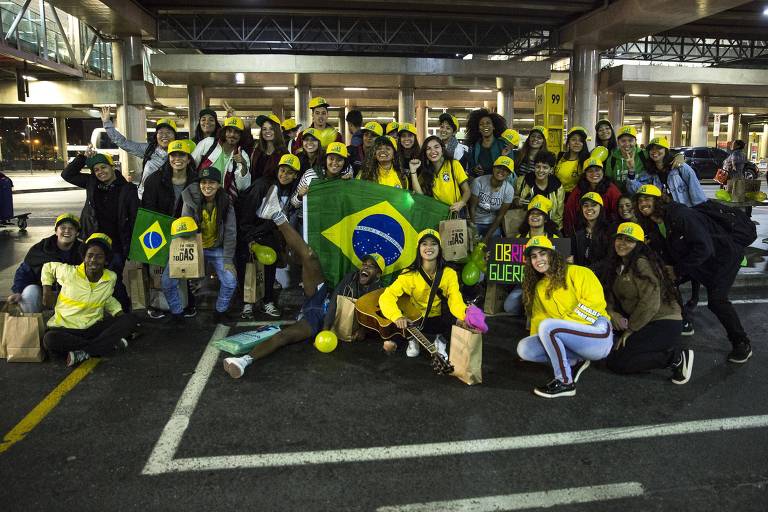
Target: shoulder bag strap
[433, 289]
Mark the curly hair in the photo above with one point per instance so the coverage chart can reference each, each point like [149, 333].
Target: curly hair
[370, 168]
[473, 125]
[608, 276]
[428, 171]
[558, 270]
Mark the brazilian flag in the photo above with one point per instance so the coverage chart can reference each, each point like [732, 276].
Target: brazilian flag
[151, 237]
[348, 219]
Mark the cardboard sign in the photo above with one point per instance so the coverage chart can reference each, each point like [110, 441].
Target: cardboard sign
[507, 258]
[185, 259]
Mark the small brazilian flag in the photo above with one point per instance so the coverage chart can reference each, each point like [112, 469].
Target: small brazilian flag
[151, 237]
[348, 219]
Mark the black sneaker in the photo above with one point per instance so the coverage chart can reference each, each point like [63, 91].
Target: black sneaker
[155, 314]
[681, 370]
[740, 353]
[579, 368]
[555, 389]
[190, 312]
[687, 328]
[76, 357]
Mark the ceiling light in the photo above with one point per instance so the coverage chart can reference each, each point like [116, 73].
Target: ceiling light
[275, 87]
[29, 78]
[602, 111]
[639, 95]
[148, 108]
[240, 78]
[681, 96]
[765, 11]
[525, 120]
[481, 90]
[355, 88]
[748, 114]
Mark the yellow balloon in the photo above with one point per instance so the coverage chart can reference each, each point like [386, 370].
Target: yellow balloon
[326, 341]
[266, 255]
[600, 152]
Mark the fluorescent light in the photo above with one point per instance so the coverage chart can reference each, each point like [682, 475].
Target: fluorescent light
[275, 87]
[481, 90]
[602, 111]
[240, 78]
[148, 108]
[681, 96]
[10, 117]
[639, 95]
[525, 120]
[748, 114]
[355, 88]
[765, 11]
[30, 78]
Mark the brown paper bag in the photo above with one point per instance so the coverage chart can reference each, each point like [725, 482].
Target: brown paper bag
[466, 355]
[155, 277]
[23, 336]
[137, 282]
[3, 314]
[345, 324]
[186, 259]
[512, 221]
[455, 240]
[253, 284]
[495, 293]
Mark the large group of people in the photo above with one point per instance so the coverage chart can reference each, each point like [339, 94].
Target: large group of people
[632, 216]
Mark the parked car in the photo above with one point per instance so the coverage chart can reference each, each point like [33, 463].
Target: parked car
[705, 161]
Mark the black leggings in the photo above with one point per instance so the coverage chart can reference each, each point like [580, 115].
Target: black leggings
[657, 345]
[100, 339]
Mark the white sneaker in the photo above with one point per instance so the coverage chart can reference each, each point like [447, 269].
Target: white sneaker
[235, 366]
[247, 313]
[270, 208]
[413, 348]
[270, 309]
[442, 346]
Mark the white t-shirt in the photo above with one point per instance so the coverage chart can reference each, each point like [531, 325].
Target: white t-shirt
[489, 201]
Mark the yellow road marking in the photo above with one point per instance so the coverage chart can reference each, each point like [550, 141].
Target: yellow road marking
[42, 409]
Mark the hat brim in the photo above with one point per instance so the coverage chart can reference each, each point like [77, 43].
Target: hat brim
[629, 236]
[165, 125]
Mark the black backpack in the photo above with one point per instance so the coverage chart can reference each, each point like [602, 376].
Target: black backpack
[733, 220]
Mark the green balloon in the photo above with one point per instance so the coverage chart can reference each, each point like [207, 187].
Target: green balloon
[470, 274]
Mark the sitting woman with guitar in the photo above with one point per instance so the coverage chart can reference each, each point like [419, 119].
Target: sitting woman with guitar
[429, 284]
[569, 322]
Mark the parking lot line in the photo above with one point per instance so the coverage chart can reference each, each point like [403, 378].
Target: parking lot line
[527, 500]
[41, 410]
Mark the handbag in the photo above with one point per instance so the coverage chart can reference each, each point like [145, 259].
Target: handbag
[721, 176]
[455, 240]
[466, 355]
[22, 336]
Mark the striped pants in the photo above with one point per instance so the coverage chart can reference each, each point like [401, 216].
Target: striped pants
[563, 343]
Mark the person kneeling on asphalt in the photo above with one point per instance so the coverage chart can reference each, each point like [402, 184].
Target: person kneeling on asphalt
[319, 310]
[78, 328]
[569, 324]
[210, 208]
[644, 309]
[63, 246]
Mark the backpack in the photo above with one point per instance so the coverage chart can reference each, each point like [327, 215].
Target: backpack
[733, 220]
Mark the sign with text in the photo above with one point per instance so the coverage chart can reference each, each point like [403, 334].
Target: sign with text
[507, 258]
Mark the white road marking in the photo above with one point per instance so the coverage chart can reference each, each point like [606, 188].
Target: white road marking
[258, 323]
[527, 500]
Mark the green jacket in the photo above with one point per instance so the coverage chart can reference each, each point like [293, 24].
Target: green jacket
[616, 167]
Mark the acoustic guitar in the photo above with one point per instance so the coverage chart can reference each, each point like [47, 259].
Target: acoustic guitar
[369, 315]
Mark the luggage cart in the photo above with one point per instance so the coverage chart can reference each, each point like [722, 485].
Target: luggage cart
[7, 216]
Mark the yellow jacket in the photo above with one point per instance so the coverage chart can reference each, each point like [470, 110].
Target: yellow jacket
[412, 284]
[81, 303]
[581, 301]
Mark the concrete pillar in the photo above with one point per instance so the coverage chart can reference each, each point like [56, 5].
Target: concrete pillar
[131, 120]
[301, 97]
[422, 122]
[196, 103]
[677, 126]
[646, 135]
[348, 105]
[278, 107]
[763, 153]
[616, 109]
[406, 101]
[582, 94]
[687, 134]
[744, 132]
[342, 121]
[505, 99]
[699, 121]
[60, 127]
[734, 120]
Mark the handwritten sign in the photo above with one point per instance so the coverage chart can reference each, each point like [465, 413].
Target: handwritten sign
[507, 258]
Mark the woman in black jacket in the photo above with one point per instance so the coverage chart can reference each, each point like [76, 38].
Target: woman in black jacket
[162, 190]
[110, 207]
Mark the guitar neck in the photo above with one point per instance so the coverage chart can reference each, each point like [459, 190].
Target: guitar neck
[423, 340]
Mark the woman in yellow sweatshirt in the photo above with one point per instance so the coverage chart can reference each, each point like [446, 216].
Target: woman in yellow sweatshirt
[569, 323]
[416, 282]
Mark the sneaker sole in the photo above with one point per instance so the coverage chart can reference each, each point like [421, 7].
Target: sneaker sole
[687, 333]
[740, 361]
[233, 370]
[546, 395]
[273, 315]
[586, 364]
[687, 370]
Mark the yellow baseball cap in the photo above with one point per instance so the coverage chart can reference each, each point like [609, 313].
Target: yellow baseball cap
[593, 162]
[99, 158]
[631, 230]
[181, 146]
[541, 203]
[374, 127]
[234, 122]
[101, 239]
[539, 242]
[659, 141]
[183, 226]
[291, 161]
[337, 148]
[649, 190]
[428, 232]
[67, 217]
[627, 130]
[377, 258]
[407, 127]
[318, 101]
[511, 136]
[392, 126]
[165, 121]
[538, 128]
[592, 196]
[290, 124]
[312, 133]
[505, 161]
[578, 129]
[270, 117]
[386, 139]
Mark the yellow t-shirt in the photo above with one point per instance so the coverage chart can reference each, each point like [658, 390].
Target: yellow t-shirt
[389, 178]
[208, 228]
[445, 189]
[568, 172]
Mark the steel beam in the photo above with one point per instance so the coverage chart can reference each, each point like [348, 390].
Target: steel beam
[17, 20]
[70, 51]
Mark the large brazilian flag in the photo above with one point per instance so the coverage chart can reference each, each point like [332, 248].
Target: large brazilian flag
[347, 219]
[151, 237]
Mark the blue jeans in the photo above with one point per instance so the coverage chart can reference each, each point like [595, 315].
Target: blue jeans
[226, 278]
[482, 229]
[563, 343]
